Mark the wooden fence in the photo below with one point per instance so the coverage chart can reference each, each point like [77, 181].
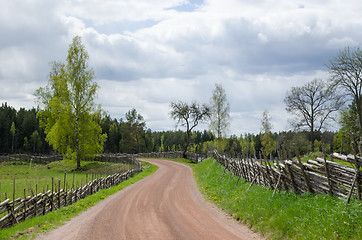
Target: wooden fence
[17, 210]
[44, 159]
[317, 176]
[178, 154]
[34, 158]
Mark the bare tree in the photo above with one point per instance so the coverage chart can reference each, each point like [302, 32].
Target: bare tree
[220, 118]
[312, 105]
[346, 72]
[189, 115]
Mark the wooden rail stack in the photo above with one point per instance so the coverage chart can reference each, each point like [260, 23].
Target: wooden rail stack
[19, 209]
[317, 176]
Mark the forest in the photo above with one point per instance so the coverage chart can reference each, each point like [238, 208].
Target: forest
[20, 133]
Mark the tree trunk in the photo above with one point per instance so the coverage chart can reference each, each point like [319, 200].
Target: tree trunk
[77, 142]
[359, 110]
[312, 139]
[187, 144]
[12, 145]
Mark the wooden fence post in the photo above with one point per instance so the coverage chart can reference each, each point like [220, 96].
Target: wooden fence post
[358, 183]
[306, 178]
[291, 175]
[330, 190]
[351, 190]
[276, 186]
[51, 198]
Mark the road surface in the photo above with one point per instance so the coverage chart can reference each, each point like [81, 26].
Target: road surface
[165, 205]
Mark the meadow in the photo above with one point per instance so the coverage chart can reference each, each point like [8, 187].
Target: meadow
[31, 178]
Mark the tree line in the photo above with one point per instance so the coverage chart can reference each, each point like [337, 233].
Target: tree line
[131, 135]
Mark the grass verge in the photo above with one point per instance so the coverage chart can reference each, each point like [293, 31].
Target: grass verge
[286, 215]
[34, 226]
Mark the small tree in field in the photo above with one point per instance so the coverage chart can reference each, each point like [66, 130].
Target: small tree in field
[71, 118]
[189, 116]
[220, 108]
[268, 143]
[12, 131]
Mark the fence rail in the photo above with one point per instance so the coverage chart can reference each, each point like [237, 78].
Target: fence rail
[44, 159]
[317, 176]
[17, 210]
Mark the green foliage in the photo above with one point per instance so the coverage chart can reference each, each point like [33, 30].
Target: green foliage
[71, 118]
[268, 143]
[342, 142]
[313, 105]
[189, 116]
[220, 108]
[29, 175]
[286, 215]
[350, 131]
[133, 132]
[345, 69]
[12, 131]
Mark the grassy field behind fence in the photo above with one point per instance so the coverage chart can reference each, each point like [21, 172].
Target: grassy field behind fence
[30, 228]
[284, 216]
[35, 178]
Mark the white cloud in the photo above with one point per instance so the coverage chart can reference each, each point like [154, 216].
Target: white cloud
[148, 53]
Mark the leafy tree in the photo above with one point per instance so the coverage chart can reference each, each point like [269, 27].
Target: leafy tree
[113, 137]
[35, 140]
[133, 132]
[346, 72]
[220, 118]
[71, 117]
[26, 144]
[189, 116]
[12, 131]
[312, 105]
[350, 129]
[268, 143]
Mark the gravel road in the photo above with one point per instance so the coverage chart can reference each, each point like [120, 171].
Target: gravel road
[166, 205]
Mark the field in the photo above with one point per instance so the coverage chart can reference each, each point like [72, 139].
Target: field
[31, 178]
[30, 228]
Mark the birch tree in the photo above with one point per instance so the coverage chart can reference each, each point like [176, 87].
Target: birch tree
[71, 118]
[220, 108]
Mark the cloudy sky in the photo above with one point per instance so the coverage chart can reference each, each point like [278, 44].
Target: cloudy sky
[146, 54]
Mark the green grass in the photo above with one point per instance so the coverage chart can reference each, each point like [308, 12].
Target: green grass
[38, 177]
[286, 215]
[313, 156]
[32, 227]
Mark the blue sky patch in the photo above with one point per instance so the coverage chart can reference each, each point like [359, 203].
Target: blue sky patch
[189, 6]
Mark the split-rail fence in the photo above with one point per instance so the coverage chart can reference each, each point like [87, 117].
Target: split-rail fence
[20, 209]
[318, 176]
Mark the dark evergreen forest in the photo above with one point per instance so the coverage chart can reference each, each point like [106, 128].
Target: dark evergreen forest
[20, 133]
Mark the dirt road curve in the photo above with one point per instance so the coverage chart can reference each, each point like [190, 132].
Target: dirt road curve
[165, 205]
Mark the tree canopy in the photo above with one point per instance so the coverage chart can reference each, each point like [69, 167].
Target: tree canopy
[312, 104]
[71, 117]
[346, 73]
[189, 115]
[220, 108]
